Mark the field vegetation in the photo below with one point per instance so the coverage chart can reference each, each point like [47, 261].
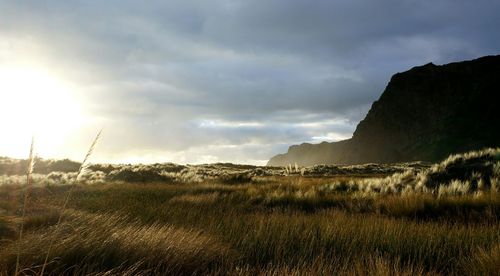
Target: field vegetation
[397, 219]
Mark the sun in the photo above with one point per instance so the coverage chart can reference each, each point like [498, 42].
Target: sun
[35, 102]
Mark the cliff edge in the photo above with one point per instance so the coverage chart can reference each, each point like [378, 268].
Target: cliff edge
[424, 114]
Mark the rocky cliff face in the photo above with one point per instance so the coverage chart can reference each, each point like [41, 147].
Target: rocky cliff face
[424, 114]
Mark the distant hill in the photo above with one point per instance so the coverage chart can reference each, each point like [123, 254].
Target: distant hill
[424, 114]
[11, 166]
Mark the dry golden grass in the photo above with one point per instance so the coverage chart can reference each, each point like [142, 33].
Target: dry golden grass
[81, 170]
[484, 262]
[266, 225]
[29, 171]
[100, 242]
[218, 229]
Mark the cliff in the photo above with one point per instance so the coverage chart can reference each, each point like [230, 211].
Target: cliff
[424, 114]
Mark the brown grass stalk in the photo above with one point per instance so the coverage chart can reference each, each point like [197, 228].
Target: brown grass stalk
[81, 170]
[29, 171]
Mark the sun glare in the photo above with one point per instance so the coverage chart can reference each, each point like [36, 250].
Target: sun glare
[34, 102]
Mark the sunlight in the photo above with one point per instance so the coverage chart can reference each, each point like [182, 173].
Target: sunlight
[34, 102]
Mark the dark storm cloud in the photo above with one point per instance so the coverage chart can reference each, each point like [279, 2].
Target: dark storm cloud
[184, 76]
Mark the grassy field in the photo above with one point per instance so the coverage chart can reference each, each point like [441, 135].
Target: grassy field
[289, 224]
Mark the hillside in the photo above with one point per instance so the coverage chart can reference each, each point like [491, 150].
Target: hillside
[425, 113]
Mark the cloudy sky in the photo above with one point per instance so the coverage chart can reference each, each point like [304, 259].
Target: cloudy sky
[214, 81]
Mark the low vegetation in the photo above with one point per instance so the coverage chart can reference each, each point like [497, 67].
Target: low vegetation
[401, 219]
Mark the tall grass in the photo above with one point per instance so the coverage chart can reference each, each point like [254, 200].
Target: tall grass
[484, 262]
[114, 229]
[29, 171]
[100, 242]
[260, 225]
[265, 235]
[82, 168]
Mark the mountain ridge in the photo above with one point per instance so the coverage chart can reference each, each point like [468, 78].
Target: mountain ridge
[424, 114]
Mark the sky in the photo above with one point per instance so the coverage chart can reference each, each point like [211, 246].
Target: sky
[214, 81]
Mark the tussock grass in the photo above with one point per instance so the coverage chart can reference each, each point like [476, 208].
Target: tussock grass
[373, 265]
[100, 242]
[484, 262]
[247, 235]
[473, 172]
[267, 224]
[265, 235]
[54, 172]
